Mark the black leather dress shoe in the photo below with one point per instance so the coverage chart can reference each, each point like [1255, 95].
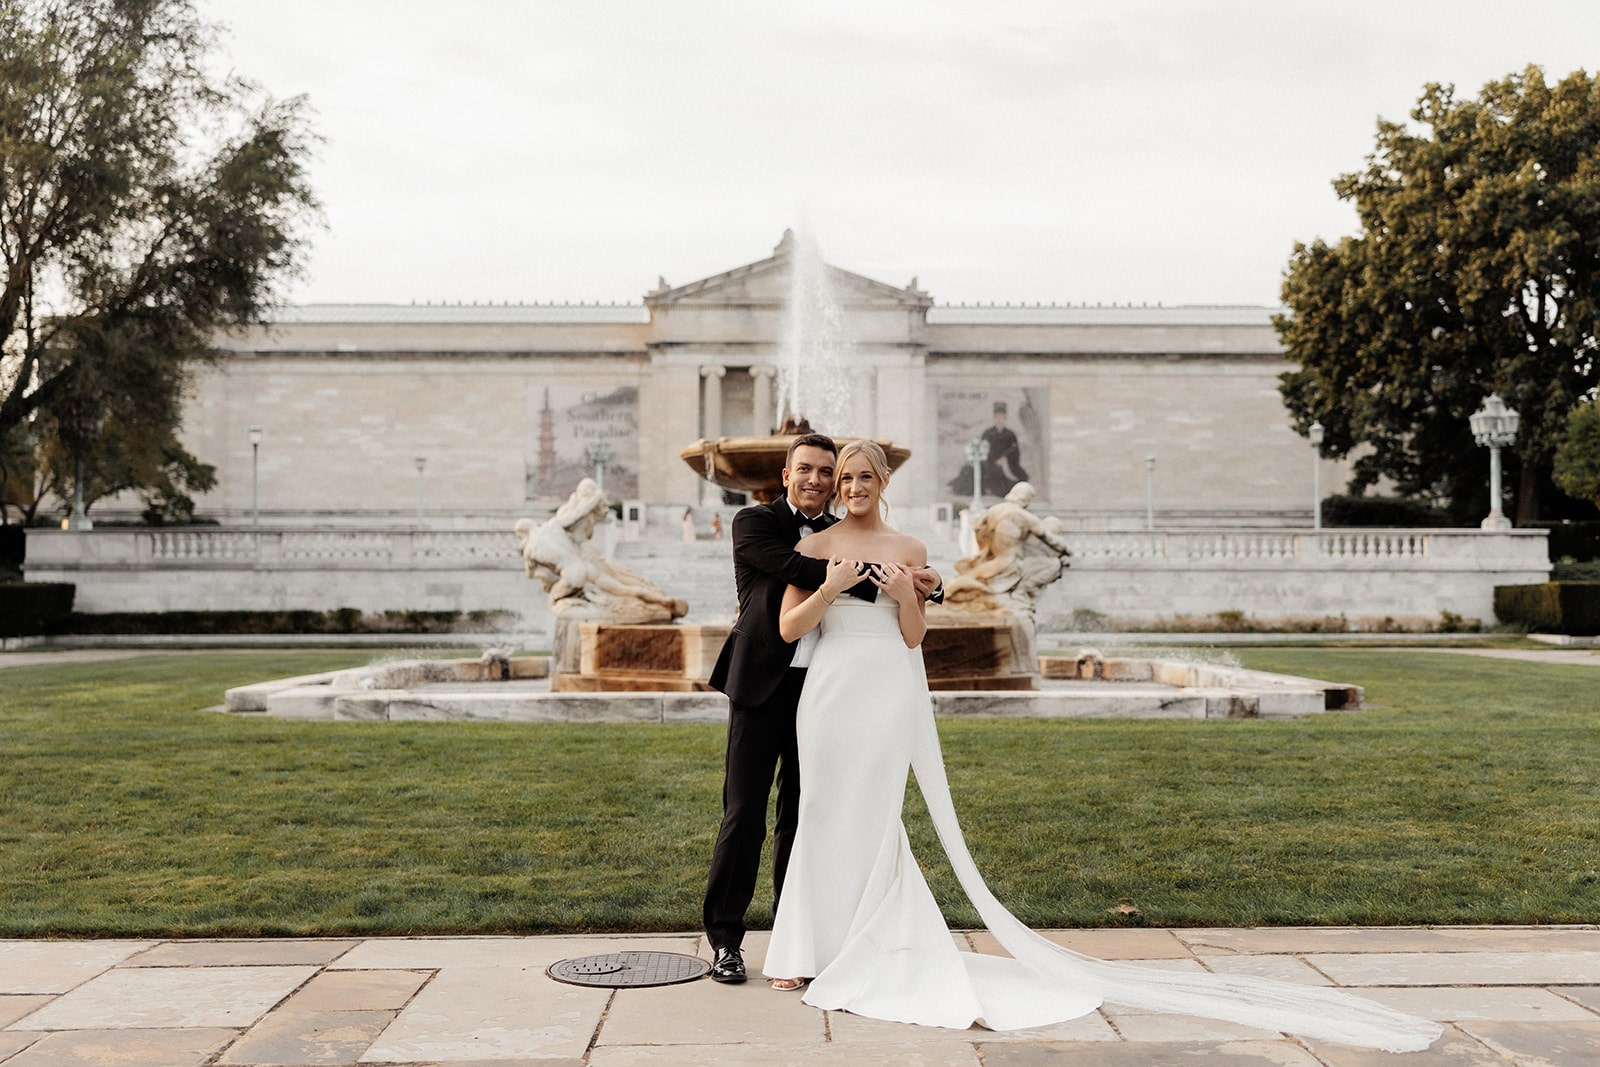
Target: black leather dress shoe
[727, 966]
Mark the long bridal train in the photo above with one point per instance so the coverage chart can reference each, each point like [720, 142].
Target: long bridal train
[857, 913]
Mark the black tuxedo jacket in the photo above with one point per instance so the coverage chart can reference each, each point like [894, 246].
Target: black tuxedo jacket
[765, 563]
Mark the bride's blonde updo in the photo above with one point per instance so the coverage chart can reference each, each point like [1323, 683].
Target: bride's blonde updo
[873, 452]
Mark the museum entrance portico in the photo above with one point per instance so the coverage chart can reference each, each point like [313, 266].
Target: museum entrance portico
[730, 330]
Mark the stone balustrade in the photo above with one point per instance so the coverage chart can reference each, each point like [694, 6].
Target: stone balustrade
[1310, 548]
[227, 568]
[227, 547]
[1366, 575]
[1374, 578]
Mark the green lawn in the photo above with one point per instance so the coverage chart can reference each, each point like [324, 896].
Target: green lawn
[1469, 794]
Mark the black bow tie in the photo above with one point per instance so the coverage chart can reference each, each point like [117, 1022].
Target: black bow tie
[816, 524]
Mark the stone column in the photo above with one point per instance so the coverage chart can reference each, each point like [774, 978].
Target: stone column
[864, 405]
[711, 401]
[761, 407]
[711, 414]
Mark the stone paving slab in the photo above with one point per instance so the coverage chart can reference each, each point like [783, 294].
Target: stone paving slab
[844, 1028]
[135, 997]
[1588, 996]
[1141, 1026]
[241, 953]
[1492, 1003]
[902, 1054]
[486, 1013]
[57, 966]
[1103, 944]
[1460, 968]
[1303, 939]
[16, 1042]
[681, 1015]
[1453, 1049]
[1227, 1054]
[305, 1038]
[357, 991]
[124, 1048]
[15, 1007]
[1280, 968]
[1537, 1044]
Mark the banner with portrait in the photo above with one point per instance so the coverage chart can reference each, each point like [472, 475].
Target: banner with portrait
[1009, 428]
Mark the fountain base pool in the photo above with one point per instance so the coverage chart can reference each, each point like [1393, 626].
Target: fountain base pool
[518, 689]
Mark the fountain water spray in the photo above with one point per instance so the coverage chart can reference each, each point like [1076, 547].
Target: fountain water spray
[814, 380]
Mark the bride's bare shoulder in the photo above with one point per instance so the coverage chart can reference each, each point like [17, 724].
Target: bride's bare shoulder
[911, 549]
[816, 545]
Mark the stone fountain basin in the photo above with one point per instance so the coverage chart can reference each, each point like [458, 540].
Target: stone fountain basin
[755, 464]
[518, 690]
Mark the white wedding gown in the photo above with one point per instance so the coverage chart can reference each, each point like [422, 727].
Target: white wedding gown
[858, 918]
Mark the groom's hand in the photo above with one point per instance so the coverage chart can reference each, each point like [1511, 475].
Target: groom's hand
[927, 581]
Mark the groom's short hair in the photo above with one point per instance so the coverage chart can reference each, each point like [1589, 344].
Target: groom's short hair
[815, 440]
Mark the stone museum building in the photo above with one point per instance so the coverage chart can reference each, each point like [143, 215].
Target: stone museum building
[376, 414]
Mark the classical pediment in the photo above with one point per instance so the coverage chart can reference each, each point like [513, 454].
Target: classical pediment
[766, 283]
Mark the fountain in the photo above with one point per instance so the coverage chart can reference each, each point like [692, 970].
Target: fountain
[963, 652]
[814, 388]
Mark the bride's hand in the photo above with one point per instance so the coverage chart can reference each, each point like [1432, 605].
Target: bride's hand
[895, 579]
[842, 575]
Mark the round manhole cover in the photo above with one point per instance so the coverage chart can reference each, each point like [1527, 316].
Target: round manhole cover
[629, 969]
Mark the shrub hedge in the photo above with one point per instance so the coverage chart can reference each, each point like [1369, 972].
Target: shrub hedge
[13, 551]
[28, 608]
[1572, 540]
[1381, 511]
[1551, 607]
[338, 621]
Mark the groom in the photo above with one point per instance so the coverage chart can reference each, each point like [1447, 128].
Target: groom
[762, 675]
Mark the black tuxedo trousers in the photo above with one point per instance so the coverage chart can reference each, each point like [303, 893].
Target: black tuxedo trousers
[763, 692]
[761, 745]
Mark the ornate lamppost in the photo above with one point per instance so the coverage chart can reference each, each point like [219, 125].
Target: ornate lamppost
[85, 428]
[598, 455]
[977, 454]
[255, 476]
[79, 519]
[422, 465]
[1494, 425]
[1316, 433]
[1149, 492]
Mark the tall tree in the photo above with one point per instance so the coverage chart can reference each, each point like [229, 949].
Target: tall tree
[1477, 270]
[144, 206]
[1577, 465]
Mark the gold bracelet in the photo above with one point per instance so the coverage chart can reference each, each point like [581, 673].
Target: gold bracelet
[825, 600]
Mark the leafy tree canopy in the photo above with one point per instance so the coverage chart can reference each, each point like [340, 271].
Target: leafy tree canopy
[1577, 463]
[144, 205]
[1477, 270]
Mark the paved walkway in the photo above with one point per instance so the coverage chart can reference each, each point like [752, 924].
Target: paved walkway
[1507, 995]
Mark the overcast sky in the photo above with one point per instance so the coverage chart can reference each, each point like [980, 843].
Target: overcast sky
[1167, 151]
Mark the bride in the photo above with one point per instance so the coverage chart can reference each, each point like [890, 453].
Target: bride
[857, 923]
